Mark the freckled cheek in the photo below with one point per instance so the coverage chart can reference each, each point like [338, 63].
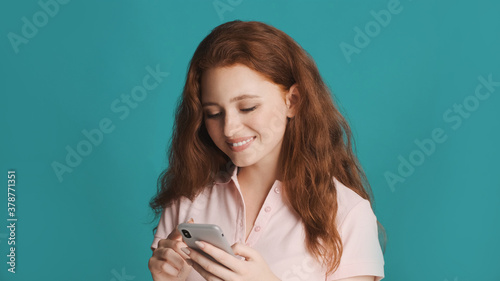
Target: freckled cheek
[261, 126]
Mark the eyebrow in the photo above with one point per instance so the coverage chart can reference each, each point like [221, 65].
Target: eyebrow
[238, 98]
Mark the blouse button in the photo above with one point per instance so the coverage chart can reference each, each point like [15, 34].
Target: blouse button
[257, 228]
[267, 209]
[241, 224]
[277, 190]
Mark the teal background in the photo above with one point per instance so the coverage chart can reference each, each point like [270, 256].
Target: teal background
[442, 222]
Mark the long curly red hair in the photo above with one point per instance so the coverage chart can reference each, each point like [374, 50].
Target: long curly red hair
[317, 143]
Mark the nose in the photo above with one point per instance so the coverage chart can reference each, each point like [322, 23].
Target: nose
[232, 124]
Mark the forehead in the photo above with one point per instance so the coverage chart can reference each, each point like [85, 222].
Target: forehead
[233, 83]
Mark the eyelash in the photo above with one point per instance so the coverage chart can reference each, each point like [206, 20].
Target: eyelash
[211, 116]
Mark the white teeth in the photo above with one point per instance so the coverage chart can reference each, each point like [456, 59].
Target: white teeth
[241, 142]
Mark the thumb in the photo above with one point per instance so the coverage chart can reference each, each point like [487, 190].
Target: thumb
[176, 234]
[245, 251]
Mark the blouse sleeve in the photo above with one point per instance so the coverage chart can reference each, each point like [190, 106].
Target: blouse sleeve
[362, 254]
[168, 221]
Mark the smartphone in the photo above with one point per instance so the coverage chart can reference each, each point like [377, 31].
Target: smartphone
[210, 233]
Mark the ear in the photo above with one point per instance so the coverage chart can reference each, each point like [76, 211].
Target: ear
[292, 100]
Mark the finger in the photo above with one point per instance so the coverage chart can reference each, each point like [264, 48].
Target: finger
[164, 243]
[220, 255]
[173, 257]
[176, 246]
[185, 269]
[158, 266]
[168, 255]
[175, 235]
[205, 274]
[245, 251]
[209, 265]
[169, 269]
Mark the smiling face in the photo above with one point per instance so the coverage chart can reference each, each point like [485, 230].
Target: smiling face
[245, 114]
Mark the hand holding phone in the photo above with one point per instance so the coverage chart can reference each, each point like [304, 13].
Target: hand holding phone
[169, 265]
[209, 233]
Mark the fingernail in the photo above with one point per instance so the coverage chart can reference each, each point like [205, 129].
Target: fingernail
[186, 250]
[201, 245]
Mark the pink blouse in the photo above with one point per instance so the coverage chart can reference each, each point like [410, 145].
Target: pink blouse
[278, 233]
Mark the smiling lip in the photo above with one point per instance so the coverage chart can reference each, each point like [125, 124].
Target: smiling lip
[237, 140]
[242, 147]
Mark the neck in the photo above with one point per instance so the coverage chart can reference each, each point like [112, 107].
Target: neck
[258, 178]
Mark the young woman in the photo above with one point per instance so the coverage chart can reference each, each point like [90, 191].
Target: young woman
[260, 149]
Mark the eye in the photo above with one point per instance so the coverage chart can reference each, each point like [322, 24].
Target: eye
[211, 116]
[249, 109]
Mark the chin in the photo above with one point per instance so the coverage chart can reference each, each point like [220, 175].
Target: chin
[242, 162]
[239, 163]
